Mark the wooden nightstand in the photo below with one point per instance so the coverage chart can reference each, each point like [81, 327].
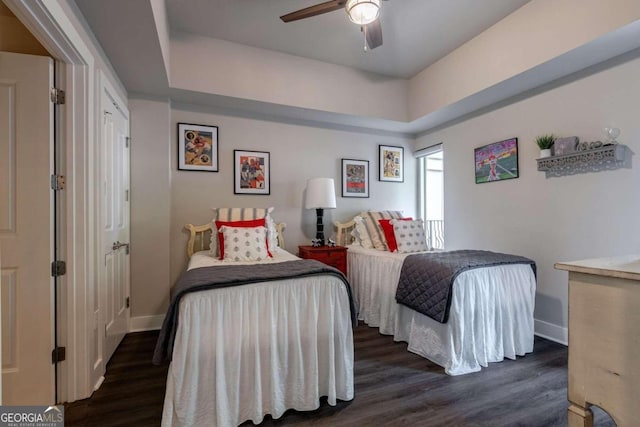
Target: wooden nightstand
[335, 256]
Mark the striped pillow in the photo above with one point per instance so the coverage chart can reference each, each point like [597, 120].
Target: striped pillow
[374, 230]
[240, 214]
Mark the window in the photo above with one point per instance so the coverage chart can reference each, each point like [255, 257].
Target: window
[431, 194]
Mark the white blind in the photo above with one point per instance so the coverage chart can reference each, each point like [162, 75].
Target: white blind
[428, 150]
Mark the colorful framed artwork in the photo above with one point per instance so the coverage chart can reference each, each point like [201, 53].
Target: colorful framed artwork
[497, 161]
[251, 171]
[197, 147]
[355, 178]
[391, 163]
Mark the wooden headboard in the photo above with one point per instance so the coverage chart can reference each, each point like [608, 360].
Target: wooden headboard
[343, 232]
[200, 237]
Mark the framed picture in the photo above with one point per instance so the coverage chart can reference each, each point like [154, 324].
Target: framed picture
[355, 178]
[497, 161]
[197, 147]
[251, 172]
[391, 163]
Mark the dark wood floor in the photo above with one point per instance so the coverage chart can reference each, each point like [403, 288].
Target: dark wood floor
[393, 387]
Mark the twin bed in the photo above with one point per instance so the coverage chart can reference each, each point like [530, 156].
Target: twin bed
[490, 315]
[241, 352]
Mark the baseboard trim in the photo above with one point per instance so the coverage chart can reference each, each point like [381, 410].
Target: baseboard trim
[551, 332]
[146, 323]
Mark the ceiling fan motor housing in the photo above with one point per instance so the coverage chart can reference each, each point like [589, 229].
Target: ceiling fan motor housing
[363, 12]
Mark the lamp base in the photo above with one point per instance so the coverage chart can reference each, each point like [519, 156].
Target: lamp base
[319, 226]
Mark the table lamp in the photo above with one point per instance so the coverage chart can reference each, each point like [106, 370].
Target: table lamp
[321, 194]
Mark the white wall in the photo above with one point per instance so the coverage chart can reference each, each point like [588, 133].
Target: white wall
[240, 71]
[538, 32]
[159, 8]
[555, 219]
[150, 207]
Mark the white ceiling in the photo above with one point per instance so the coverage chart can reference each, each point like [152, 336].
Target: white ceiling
[416, 33]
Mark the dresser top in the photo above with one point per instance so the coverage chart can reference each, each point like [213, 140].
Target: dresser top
[626, 267]
[321, 248]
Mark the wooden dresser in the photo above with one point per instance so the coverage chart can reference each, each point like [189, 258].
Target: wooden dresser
[335, 256]
[604, 339]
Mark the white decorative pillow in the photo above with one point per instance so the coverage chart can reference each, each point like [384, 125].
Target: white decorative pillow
[355, 238]
[361, 234]
[272, 231]
[410, 236]
[373, 228]
[244, 243]
[241, 214]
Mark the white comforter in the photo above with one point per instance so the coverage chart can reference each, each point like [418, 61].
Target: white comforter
[244, 352]
[491, 314]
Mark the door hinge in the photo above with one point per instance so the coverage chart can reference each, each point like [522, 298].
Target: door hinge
[58, 268]
[58, 354]
[128, 302]
[58, 96]
[126, 195]
[127, 142]
[58, 182]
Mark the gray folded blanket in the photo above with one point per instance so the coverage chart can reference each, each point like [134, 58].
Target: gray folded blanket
[426, 280]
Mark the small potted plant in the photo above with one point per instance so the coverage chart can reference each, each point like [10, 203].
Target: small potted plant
[545, 142]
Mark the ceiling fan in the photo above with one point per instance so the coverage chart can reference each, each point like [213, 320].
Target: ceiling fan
[361, 12]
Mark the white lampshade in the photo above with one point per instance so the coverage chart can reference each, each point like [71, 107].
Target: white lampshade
[363, 12]
[321, 194]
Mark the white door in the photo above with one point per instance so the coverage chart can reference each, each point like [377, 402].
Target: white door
[26, 228]
[115, 222]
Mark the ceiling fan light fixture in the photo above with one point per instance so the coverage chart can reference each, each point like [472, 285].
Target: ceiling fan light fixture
[363, 12]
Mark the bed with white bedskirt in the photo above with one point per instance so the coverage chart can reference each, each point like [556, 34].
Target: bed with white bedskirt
[491, 314]
[246, 351]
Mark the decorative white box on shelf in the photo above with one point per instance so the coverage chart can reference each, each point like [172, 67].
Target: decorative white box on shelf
[608, 157]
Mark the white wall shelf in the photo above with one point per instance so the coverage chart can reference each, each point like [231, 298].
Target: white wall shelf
[604, 158]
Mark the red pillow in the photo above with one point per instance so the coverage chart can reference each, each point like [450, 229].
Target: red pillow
[247, 223]
[387, 228]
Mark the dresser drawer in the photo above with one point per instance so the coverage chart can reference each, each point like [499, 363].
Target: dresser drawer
[340, 265]
[328, 257]
[332, 256]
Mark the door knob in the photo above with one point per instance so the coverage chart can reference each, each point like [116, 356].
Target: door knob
[117, 245]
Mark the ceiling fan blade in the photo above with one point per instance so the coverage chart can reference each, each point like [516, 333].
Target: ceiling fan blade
[310, 11]
[373, 34]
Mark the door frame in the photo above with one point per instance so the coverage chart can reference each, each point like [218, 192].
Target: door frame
[49, 22]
